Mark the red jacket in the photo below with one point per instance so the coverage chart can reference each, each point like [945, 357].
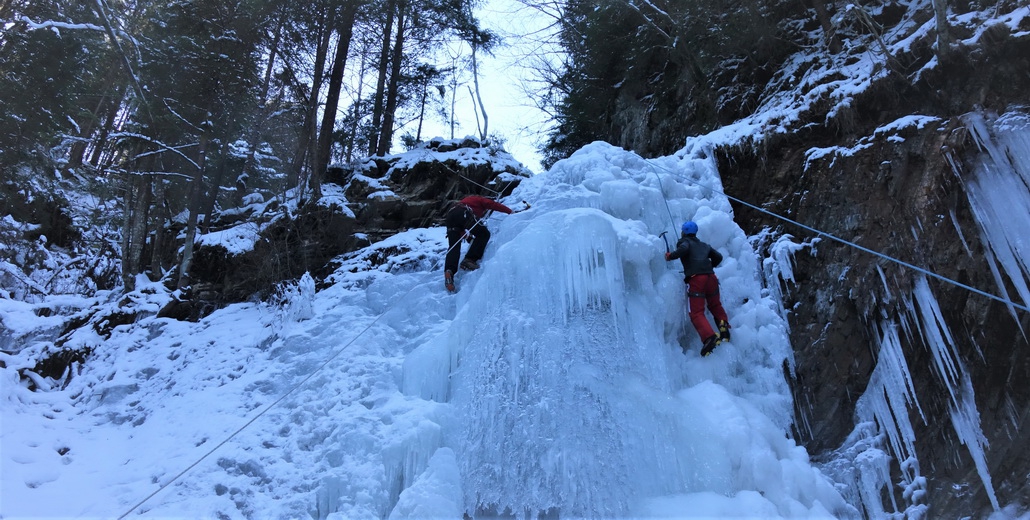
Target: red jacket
[480, 205]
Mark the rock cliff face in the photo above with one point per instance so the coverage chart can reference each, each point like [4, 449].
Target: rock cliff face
[365, 204]
[887, 181]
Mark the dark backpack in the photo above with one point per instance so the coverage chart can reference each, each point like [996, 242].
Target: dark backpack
[457, 215]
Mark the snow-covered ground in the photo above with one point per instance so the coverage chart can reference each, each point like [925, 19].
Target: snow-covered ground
[553, 381]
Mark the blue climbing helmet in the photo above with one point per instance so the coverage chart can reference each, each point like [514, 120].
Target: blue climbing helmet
[689, 228]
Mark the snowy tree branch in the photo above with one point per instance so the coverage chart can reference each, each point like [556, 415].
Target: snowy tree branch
[34, 26]
[162, 146]
[18, 275]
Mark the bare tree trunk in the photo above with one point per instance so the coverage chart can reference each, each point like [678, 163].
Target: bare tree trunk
[384, 60]
[940, 12]
[208, 205]
[161, 218]
[196, 189]
[134, 232]
[325, 134]
[128, 244]
[253, 134]
[113, 105]
[479, 96]
[108, 102]
[304, 148]
[272, 51]
[389, 113]
[454, 101]
[356, 114]
[140, 92]
[135, 219]
[86, 129]
[832, 41]
[422, 111]
[475, 112]
[110, 155]
[145, 202]
[877, 31]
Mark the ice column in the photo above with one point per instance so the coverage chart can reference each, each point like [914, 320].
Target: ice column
[998, 188]
[964, 415]
[887, 401]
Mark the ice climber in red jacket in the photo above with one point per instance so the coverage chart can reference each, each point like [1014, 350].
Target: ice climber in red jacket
[464, 221]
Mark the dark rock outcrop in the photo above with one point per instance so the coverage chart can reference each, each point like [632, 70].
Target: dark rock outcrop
[898, 194]
[382, 197]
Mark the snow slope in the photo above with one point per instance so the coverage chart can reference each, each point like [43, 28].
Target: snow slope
[553, 382]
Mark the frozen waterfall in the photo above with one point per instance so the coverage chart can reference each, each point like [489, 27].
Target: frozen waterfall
[571, 394]
[553, 384]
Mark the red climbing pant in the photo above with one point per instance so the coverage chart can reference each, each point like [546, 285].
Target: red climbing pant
[703, 289]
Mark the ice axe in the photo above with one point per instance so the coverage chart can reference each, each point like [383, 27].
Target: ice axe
[667, 250]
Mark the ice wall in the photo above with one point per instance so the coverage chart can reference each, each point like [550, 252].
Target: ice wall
[571, 391]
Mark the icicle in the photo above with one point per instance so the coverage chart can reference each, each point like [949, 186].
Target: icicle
[886, 287]
[778, 266]
[891, 394]
[887, 400]
[936, 334]
[863, 467]
[296, 300]
[966, 420]
[998, 188]
[958, 229]
[1013, 412]
[964, 415]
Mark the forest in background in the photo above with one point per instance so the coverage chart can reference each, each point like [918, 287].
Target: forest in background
[173, 111]
[169, 112]
[643, 74]
[126, 128]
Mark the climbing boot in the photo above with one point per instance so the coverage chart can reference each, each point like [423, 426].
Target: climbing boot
[724, 331]
[448, 280]
[709, 346]
[469, 265]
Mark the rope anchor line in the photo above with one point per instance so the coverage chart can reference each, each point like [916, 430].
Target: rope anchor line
[290, 391]
[317, 370]
[835, 238]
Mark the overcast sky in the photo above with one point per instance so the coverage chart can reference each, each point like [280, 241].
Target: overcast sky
[505, 78]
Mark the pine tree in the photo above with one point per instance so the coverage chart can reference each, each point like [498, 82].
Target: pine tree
[642, 73]
[56, 69]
